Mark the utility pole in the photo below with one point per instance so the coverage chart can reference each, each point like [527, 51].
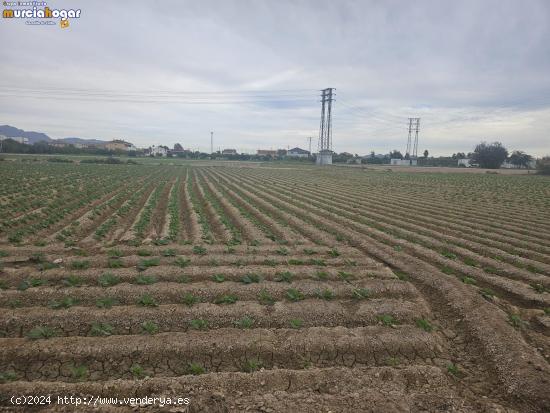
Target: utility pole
[211, 142]
[310, 138]
[324, 156]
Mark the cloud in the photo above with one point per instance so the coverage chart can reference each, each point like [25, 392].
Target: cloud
[471, 70]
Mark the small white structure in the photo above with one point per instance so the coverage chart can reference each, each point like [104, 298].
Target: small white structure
[297, 153]
[403, 162]
[464, 163]
[324, 157]
[158, 151]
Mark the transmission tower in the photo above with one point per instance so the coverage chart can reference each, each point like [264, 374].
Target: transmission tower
[324, 155]
[416, 129]
[412, 148]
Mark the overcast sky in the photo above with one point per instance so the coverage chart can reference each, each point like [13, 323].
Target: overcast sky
[155, 72]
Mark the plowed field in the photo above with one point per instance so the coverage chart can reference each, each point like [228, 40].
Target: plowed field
[274, 289]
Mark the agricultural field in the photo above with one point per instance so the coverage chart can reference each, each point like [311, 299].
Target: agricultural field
[257, 287]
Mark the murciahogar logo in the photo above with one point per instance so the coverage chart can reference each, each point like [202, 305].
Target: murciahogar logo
[37, 13]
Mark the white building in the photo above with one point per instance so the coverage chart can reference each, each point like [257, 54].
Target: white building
[158, 151]
[403, 162]
[464, 162]
[297, 153]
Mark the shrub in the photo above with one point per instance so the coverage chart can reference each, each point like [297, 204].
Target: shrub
[195, 369]
[543, 166]
[150, 327]
[250, 278]
[145, 279]
[226, 299]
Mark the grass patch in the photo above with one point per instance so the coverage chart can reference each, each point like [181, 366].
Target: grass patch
[40, 332]
[294, 295]
[199, 250]
[469, 280]
[182, 262]
[147, 300]
[361, 293]
[149, 327]
[266, 298]
[251, 366]
[198, 324]
[325, 294]
[80, 265]
[244, 323]
[72, 281]
[387, 320]
[285, 276]
[424, 325]
[146, 263]
[145, 279]
[108, 280]
[65, 302]
[101, 329]
[296, 323]
[189, 299]
[251, 278]
[195, 369]
[218, 278]
[106, 302]
[226, 299]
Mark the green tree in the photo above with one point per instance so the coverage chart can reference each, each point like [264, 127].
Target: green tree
[490, 155]
[520, 159]
[426, 153]
[543, 165]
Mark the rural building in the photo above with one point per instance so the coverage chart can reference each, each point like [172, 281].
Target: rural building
[16, 139]
[57, 144]
[297, 153]
[403, 162]
[119, 145]
[229, 152]
[266, 152]
[157, 151]
[464, 163]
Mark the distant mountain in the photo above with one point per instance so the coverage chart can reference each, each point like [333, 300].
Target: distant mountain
[81, 140]
[33, 137]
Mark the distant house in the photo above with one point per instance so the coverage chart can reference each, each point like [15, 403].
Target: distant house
[229, 152]
[119, 145]
[158, 151]
[297, 153]
[58, 144]
[266, 152]
[403, 162]
[464, 163]
[16, 139]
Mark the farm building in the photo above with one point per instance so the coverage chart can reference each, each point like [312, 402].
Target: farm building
[403, 162]
[464, 163]
[119, 145]
[297, 153]
[157, 151]
[229, 152]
